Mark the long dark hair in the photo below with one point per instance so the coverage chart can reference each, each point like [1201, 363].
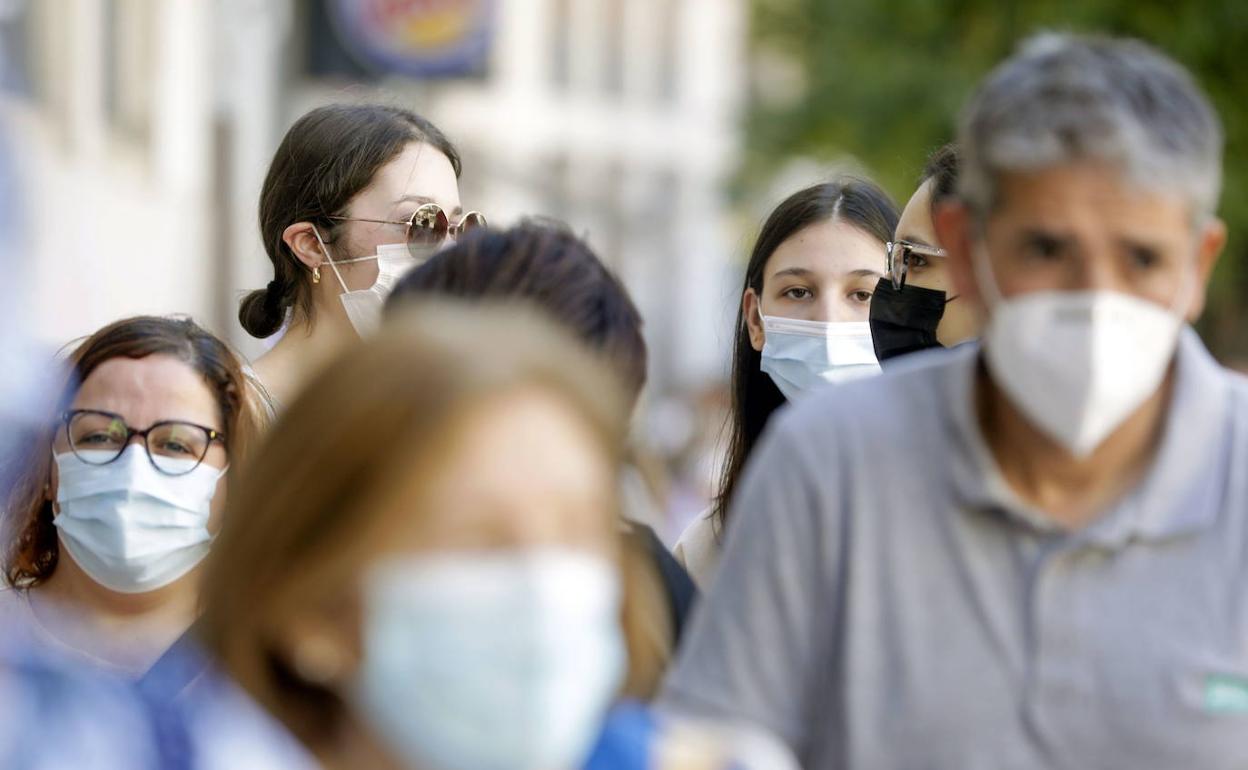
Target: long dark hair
[326, 158]
[31, 550]
[858, 202]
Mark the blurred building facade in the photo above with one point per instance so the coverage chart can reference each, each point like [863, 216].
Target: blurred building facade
[144, 128]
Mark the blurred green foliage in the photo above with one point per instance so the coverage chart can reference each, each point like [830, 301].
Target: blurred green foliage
[884, 80]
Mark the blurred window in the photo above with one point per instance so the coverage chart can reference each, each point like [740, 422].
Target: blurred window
[669, 39]
[561, 44]
[613, 32]
[130, 32]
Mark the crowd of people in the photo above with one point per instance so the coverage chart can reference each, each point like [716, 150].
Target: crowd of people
[984, 502]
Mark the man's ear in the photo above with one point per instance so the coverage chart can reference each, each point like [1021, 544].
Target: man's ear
[301, 239]
[751, 312]
[1208, 249]
[954, 223]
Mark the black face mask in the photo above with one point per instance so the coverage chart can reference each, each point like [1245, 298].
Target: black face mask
[904, 320]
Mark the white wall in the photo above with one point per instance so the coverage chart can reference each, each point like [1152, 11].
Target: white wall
[117, 225]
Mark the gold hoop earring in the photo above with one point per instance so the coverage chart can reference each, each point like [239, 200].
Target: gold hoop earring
[316, 275]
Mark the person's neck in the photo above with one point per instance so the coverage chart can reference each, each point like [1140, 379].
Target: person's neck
[1071, 490]
[303, 350]
[129, 631]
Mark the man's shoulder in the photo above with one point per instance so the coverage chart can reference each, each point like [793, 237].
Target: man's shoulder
[917, 392]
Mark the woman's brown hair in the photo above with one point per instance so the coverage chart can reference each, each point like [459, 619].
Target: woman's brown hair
[300, 517]
[327, 157]
[30, 544]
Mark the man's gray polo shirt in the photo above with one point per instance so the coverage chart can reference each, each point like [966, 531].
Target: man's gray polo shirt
[885, 601]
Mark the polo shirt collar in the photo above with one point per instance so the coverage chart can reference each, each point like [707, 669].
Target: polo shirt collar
[1174, 495]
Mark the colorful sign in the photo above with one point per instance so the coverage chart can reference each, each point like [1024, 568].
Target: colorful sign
[420, 38]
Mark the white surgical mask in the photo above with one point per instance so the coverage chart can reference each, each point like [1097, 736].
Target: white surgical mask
[1076, 363]
[490, 661]
[364, 306]
[130, 527]
[801, 356]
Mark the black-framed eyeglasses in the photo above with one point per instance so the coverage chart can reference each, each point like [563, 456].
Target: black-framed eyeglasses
[428, 226]
[174, 447]
[898, 255]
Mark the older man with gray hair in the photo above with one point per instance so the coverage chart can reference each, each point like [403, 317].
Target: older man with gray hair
[1031, 552]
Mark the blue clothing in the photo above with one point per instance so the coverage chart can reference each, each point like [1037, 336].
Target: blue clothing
[56, 714]
[204, 719]
[627, 739]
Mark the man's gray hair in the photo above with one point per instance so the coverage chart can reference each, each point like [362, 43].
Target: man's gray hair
[1065, 98]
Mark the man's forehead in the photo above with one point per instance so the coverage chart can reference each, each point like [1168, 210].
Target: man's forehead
[1087, 191]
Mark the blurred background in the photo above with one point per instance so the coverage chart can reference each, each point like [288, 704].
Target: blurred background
[662, 130]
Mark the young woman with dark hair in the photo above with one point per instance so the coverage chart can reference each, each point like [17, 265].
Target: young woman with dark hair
[356, 195]
[802, 324]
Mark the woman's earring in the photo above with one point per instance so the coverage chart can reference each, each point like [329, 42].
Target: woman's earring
[316, 275]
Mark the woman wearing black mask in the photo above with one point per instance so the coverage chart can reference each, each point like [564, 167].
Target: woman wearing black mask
[914, 307]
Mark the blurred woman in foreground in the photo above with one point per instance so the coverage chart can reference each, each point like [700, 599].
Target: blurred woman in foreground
[430, 575]
[544, 263]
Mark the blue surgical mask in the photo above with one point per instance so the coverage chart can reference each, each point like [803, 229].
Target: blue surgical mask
[802, 356]
[490, 661]
[130, 527]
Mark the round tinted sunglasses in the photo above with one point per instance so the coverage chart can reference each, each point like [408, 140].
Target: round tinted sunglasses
[428, 226]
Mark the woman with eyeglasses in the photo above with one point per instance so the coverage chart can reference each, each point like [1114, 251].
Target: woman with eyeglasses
[802, 325]
[356, 195]
[914, 307]
[117, 503]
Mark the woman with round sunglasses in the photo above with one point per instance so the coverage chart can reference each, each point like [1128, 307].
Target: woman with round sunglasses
[356, 195]
[118, 501]
[802, 324]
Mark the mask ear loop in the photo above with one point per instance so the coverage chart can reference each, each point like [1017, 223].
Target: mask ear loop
[1189, 283]
[762, 318]
[330, 259]
[988, 288]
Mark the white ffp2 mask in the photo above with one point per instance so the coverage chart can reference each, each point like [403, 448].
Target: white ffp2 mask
[130, 527]
[801, 356]
[1076, 363]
